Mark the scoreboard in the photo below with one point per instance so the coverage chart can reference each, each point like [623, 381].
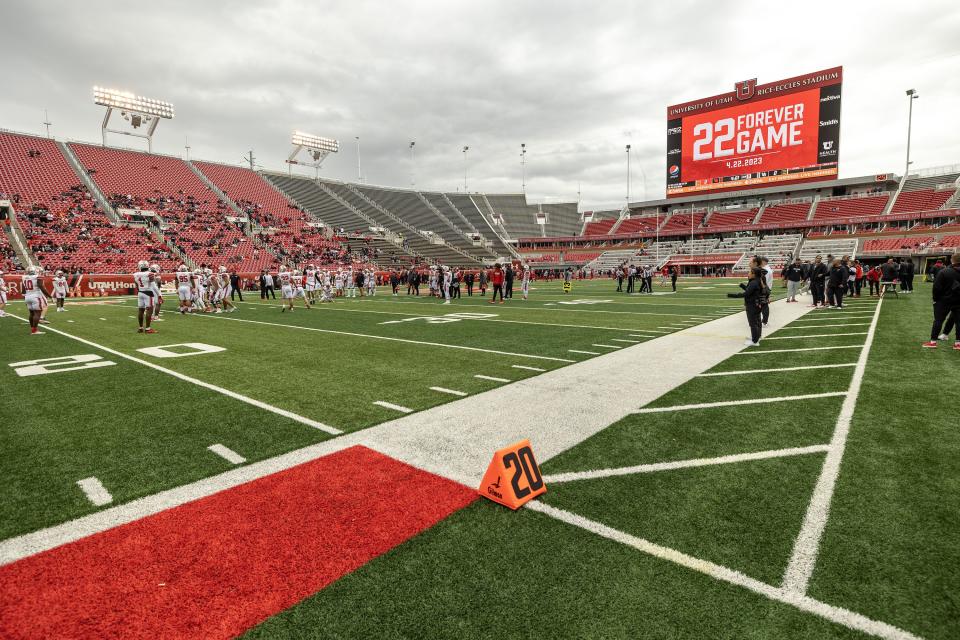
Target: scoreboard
[773, 134]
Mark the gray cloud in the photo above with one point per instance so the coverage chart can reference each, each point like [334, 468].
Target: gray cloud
[575, 81]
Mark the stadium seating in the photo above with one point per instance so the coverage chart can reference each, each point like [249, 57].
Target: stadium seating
[639, 224]
[949, 242]
[785, 213]
[680, 223]
[719, 220]
[836, 248]
[599, 227]
[895, 244]
[922, 200]
[8, 257]
[847, 207]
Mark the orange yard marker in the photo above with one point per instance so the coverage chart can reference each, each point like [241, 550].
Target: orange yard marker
[513, 477]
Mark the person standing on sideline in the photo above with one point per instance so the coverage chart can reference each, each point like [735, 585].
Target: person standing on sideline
[496, 279]
[755, 296]
[631, 279]
[394, 281]
[818, 282]
[674, 274]
[836, 283]
[468, 280]
[525, 282]
[619, 275]
[567, 279]
[873, 279]
[907, 272]
[235, 286]
[269, 286]
[946, 301]
[483, 282]
[508, 281]
[793, 274]
[768, 280]
[648, 278]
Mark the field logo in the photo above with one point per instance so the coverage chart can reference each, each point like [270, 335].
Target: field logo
[59, 364]
[746, 89]
[517, 464]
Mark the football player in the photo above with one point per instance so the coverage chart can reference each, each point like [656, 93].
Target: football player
[35, 296]
[3, 295]
[296, 281]
[143, 279]
[184, 290]
[59, 290]
[286, 288]
[158, 298]
[224, 278]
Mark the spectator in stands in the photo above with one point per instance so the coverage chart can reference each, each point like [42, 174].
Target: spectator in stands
[946, 301]
[755, 294]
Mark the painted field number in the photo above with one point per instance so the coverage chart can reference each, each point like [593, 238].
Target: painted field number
[59, 364]
[180, 350]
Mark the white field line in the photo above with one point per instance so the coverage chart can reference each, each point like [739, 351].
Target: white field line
[817, 335]
[452, 392]
[572, 309]
[805, 549]
[845, 617]
[523, 366]
[420, 315]
[683, 464]
[753, 352]
[735, 403]
[95, 491]
[589, 353]
[227, 454]
[200, 383]
[640, 335]
[390, 405]
[817, 326]
[405, 340]
[606, 346]
[844, 317]
[623, 340]
[778, 369]
[671, 328]
[491, 378]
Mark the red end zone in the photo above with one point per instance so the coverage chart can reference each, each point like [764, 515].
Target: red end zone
[218, 566]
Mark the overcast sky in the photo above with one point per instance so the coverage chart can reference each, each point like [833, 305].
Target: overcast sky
[575, 81]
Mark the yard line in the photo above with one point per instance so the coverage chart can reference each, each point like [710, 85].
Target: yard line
[227, 454]
[753, 352]
[390, 405]
[816, 335]
[201, 383]
[452, 392]
[639, 335]
[391, 339]
[817, 326]
[734, 403]
[589, 353]
[813, 366]
[683, 464]
[95, 491]
[491, 378]
[845, 617]
[807, 545]
[829, 318]
[622, 340]
[523, 366]
[606, 346]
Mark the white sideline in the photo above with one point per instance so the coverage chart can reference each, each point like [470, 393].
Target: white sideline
[95, 491]
[200, 383]
[839, 615]
[375, 337]
[491, 378]
[390, 405]
[745, 371]
[683, 464]
[796, 577]
[817, 335]
[754, 352]
[452, 392]
[736, 403]
[227, 454]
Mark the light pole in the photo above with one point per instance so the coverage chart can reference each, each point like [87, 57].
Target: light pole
[911, 96]
[413, 180]
[359, 175]
[628, 175]
[523, 168]
[46, 121]
[465, 149]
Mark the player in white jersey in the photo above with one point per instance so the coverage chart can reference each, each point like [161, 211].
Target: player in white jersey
[525, 282]
[296, 281]
[3, 295]
[447, 282]
[350, 281]
[371, 282]
[312, 283]
[158, 297]
[434, 289]
[224, 300]
[143, 280]
[214, 291]
[327, 293]
[199, 303]
[184, 290]
[35, 296]
[338, 283]
[59, 290]
[286, 288]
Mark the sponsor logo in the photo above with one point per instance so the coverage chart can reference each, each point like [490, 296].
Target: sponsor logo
[674, 171]
[673, 152]
[828, 145]
[830, 97]
[746, 89]
[672, 130]
[827, 123]
[103, 284]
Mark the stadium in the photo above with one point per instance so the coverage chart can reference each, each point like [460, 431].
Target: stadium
[254, 384]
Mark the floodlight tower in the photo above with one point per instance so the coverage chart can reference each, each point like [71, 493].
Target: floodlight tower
[136, 110]
[317, 147]
[523, 168]
[911, 96]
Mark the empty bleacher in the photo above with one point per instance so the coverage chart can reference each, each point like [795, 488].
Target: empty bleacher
[640, 225]
[785, 213]
[599, 227]
[837, 248]
[681, 223]
[850, 207]
[719, 220]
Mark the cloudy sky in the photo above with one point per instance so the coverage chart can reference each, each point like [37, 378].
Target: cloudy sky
[575, 81]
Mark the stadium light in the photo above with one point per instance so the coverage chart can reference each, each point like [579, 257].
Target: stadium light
[317, 148]
[628, 175]
[413, 176]
[137, 110]
[523, 168]
[465, 149]
[911, 96]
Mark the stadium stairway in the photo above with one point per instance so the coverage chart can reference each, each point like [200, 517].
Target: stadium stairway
[88, 182]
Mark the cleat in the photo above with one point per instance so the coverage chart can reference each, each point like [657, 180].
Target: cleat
[956, 345]
[943, 336]
[930, 345]
[150, 330]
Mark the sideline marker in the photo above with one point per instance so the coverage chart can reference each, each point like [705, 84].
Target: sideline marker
[513, 477]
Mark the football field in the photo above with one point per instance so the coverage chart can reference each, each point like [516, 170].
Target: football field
[805, 488]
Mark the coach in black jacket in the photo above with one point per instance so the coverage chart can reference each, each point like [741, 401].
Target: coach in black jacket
[755, 295]
[818, 281]
[836, 283]
[946, 299]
